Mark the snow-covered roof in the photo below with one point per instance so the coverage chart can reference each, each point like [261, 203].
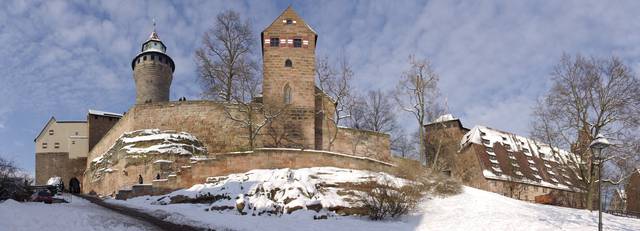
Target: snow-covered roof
[444, 118]
[510, 157]
[104, 113]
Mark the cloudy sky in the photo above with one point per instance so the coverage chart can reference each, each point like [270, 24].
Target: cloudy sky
[61, 58]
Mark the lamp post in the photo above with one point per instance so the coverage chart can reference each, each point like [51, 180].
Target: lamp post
[596, 146]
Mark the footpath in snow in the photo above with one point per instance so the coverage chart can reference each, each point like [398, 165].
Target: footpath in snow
[472, 210]
[80, 215]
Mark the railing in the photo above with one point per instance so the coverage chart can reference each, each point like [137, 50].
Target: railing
[624, 213]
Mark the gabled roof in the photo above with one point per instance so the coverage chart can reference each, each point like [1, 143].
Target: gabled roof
[292, 14]
[53, 120]
[288, 13]
[510, 157]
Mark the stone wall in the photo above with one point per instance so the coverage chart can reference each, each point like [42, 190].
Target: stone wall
[190, 172]
[98, 127]
[207, 121]
[58, 164]
[362, 143]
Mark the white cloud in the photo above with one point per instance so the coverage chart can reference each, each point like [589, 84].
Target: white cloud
[62, 57]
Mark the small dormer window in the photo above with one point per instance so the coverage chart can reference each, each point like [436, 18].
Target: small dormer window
[274, 42]
[288, 63]
[56, 145]
[50, 132]
[289, 21]
[297, 42]
[44, 145]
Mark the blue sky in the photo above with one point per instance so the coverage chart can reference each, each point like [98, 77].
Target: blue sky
[61, 58]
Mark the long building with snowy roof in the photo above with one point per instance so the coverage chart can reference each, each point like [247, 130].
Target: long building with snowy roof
[506, 163]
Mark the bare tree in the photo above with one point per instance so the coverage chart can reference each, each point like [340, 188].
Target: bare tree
[250, 115]
[281, 132]
[402, 145]
[440, 143]
[338, 86]
[416, 92]
[374, 112]
[224, 59]
[590, 96]
[13, 183]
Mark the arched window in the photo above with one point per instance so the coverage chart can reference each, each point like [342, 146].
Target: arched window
[288, 63]
[287, 94]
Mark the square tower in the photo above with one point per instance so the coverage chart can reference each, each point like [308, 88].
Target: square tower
[288, 53]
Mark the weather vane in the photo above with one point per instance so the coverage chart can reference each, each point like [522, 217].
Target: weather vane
[154, 23]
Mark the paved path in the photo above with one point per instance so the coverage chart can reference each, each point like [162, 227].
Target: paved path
[143, 217]
[78, 215]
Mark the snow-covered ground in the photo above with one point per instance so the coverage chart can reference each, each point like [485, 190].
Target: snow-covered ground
[472, 210]
[79, 215]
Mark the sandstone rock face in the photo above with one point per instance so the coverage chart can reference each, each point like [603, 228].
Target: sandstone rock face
[164, 151]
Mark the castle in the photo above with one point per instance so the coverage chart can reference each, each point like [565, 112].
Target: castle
[160, 145]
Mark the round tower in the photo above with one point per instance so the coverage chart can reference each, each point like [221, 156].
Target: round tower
[152, 71]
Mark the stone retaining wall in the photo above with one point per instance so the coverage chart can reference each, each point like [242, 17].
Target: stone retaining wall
[188, 173]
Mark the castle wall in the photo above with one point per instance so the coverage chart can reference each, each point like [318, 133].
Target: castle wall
[195, 172]
[98, 127]
[362, 143]
[58, 164]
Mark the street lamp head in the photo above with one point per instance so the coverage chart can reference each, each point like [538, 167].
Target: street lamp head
[598, 144]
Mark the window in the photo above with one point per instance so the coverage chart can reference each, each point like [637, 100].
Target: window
[153, 57]
[73, 142]
[287, 94]
[144, 58]
[288, 63]
[485, 141]
[504, 138]
[56, 145]
[76, 133]
[50, 132]
[297, 42]
[489, 149]
[289, 21]
[275, 42]
[160, 58]
[44, 145]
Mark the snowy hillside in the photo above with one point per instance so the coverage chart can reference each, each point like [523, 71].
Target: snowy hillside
[324, 191]
[472, 210]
